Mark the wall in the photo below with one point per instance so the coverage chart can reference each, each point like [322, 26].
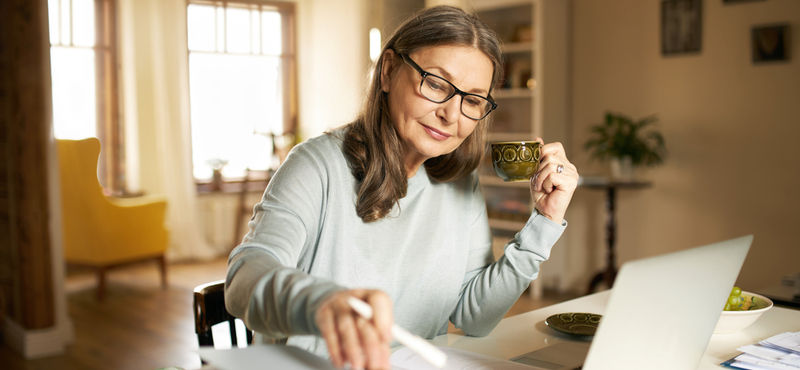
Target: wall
[333, 61]
[730, 127]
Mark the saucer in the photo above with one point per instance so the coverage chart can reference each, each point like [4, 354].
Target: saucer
[577, 323]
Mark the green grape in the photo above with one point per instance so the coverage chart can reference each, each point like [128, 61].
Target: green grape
[735, 300]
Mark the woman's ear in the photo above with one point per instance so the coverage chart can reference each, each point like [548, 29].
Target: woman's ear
[388, 64]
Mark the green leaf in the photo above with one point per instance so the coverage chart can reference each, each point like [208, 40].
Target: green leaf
[620, 136]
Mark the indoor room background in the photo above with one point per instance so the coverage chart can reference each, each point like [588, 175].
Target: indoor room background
[730, 125]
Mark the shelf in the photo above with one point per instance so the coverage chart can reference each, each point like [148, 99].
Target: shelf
[487, 5]
[515, 93]
[506, 224]
[496, 181]
[508, 203]
[517, 47]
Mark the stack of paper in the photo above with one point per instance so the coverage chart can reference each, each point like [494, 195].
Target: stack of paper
[778, 352]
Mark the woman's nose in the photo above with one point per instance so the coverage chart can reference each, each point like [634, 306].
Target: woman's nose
[450, 110]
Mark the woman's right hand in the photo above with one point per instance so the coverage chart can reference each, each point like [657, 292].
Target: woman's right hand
[364, 344]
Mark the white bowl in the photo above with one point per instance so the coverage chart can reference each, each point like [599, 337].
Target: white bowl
[734, 321]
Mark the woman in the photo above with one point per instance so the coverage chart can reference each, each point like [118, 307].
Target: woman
[389, 209]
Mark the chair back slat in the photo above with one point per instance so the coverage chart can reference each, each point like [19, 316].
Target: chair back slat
[209, 310]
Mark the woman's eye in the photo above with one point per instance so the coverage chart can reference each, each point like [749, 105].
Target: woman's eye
[472, 101]
[434, 85]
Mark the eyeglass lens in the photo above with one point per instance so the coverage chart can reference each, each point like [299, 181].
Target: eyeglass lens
[439, 90]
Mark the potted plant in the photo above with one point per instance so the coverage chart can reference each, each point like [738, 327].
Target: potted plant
[216, 165]
[627, 144]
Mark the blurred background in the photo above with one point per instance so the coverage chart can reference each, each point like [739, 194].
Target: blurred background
[197, 102]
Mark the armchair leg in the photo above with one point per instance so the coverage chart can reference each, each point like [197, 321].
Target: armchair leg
[162, 262]
[101, 283]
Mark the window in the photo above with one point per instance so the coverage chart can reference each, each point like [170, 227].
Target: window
[241, 84]
[83, 69]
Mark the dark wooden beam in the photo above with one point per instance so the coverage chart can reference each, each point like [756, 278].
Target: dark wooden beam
[25, 113]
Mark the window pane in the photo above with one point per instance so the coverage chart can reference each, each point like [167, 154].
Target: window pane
[220, 26]
[66, 34]
[233, 96]
[83, 22]
[255, 40]
[271, 32]
[200, 23]
[238, 30]
[74, 99]
[52, 15]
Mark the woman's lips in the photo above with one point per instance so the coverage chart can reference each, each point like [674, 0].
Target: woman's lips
[436, 134]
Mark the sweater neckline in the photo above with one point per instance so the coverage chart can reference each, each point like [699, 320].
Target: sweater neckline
[419, 181]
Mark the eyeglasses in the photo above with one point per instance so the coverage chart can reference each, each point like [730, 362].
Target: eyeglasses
[439, 90]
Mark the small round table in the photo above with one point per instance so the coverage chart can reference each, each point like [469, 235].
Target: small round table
[610, 186]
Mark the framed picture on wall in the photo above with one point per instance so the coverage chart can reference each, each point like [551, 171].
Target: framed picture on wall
[770, 43]
[681, 26]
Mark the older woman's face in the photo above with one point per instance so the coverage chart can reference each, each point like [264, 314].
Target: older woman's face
[430, 129]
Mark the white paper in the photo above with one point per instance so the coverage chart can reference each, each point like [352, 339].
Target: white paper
[406, 359]
[766, 353]
[788, 341]
[779, 352]
[261, 357]
[745, 365]
[750, 359]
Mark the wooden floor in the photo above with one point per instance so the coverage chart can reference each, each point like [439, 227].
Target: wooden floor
[140, 326]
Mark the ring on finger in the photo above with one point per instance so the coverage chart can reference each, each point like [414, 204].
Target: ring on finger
[560, 168]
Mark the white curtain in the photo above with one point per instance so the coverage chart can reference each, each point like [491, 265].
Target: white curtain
[155, 95]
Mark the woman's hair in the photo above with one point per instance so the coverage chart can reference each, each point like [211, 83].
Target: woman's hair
[371, 145]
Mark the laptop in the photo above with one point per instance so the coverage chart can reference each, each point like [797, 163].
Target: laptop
[660, 314]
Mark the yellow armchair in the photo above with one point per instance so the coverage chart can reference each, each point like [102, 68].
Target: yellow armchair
[103, 232]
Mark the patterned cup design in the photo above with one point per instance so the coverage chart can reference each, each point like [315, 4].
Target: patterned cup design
[516, 161]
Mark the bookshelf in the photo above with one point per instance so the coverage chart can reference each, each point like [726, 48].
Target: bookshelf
[532, 100]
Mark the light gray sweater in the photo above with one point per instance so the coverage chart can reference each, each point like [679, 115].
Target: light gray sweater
[432, 255]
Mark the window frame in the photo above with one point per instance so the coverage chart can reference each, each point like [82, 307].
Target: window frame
[288, 57]
[109, 128]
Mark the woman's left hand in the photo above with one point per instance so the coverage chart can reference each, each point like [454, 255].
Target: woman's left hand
[555, 182]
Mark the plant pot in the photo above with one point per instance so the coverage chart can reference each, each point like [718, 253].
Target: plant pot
[622, 169]
[216, 180]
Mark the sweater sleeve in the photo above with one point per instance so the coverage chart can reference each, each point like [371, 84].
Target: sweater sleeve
[489, 290]
[264, 287]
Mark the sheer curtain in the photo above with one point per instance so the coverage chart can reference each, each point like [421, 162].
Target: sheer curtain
[154, 79]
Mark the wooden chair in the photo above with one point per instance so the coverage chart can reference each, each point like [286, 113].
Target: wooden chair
[209, 310]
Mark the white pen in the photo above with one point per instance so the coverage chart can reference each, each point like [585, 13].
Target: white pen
[433, 355]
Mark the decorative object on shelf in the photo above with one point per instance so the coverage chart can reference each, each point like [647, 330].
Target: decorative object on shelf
[627, 143]
[216, 165]
[681, 23]
[523, 33]
[770, 43]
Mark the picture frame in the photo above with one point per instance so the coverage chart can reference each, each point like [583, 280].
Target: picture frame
[770, 43]
[681, 26]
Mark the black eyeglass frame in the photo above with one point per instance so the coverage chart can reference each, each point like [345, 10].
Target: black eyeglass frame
[456, 90]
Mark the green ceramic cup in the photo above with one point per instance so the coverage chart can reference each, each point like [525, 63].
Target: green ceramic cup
[516, 160]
